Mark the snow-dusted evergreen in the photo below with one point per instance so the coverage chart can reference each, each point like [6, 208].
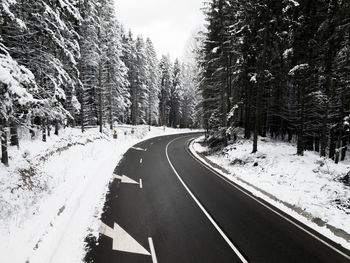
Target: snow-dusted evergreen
[152, 83]
[70, 63]
[165, 82]
[281, 68]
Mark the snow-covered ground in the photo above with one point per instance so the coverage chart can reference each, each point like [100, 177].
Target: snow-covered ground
[52, 194]
[309, 188]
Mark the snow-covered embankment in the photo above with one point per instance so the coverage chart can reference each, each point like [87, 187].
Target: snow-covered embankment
[52, 194]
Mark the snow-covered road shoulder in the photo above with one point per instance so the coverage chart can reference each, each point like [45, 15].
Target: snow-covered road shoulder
[52, 195]
[309, 188]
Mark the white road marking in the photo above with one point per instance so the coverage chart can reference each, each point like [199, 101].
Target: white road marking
[141, 160]
[228, 241]
[139, 149]
[152, 143]
[141, 183]
[153, 252]
[122, 241]
[124, 179]
[271, 209]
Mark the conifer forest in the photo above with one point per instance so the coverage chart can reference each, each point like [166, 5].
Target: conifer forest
[274, 68]
[279, 69]
[71, 63]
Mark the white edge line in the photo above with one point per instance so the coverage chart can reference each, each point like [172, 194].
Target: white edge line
[271, 209]
[228, 241]
[153, 252]
[141, 183]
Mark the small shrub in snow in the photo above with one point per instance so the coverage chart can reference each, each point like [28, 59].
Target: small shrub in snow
[346, 179]
[26, 154]
[238, 161]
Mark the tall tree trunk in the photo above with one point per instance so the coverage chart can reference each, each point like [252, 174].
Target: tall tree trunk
[32, 132]
[82, 10]
[324, 131]
[43, 125]
[290, 135]
[300, 141]
[317, 143]
[247, 121]
[110, 99]
[82, 110]
[149, 108]
[14, 134]
[260, 92]
[223, 95]
[338, 148]
[57, 127]
[341, 128]
[48, 123]
[328, 73]
[100, 95]
[229, 90]
[3, 134]
[332, 144]
[163, 114]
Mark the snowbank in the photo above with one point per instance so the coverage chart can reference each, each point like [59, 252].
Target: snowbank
[52, 194]
[307, 187]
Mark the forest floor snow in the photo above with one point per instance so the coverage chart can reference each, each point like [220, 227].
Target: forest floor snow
[52, 194]
[309, 188]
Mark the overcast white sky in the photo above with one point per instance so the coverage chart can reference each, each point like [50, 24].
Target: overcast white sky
[168, 23]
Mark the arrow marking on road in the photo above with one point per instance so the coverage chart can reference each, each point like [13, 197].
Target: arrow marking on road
[153, 252]
[124, 179]
[139, 149]
[122, 241]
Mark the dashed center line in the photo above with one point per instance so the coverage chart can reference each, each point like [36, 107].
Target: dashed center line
[141, 160]
[141, 183]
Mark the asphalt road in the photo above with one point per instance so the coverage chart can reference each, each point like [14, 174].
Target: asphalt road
[180, 211]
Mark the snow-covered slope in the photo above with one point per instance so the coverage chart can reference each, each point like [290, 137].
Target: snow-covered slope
[52, 194]
[308, 187]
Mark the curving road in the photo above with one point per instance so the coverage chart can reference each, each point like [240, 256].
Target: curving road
[168, 207]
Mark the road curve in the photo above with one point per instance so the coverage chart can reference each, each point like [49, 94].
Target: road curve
[180, 211]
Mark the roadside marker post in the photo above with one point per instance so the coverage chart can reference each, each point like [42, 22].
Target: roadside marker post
[115, 134]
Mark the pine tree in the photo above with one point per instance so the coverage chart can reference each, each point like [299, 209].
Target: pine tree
[175, 94]
[129, 59]
[152, 83]
[165, 84]
[17, 83]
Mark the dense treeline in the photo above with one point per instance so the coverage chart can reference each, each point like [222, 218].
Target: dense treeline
[71, 63]
[278, 68]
